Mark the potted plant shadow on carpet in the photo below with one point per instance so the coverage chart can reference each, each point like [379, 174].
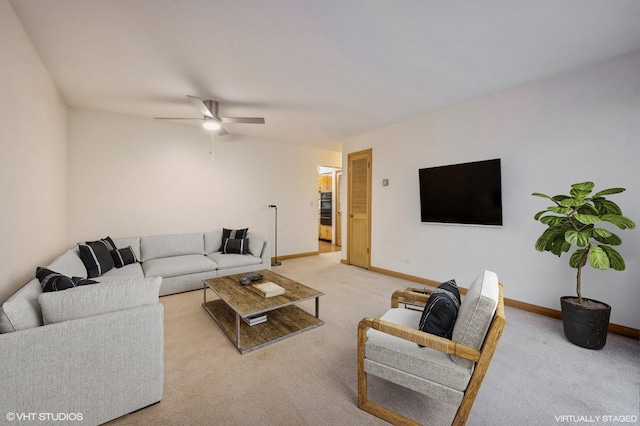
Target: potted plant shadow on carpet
[576, 221]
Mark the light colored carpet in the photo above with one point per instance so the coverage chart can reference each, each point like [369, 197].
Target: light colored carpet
[536, 375]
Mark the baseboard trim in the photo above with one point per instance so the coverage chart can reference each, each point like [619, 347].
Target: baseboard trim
[622, 330]
[293, 256]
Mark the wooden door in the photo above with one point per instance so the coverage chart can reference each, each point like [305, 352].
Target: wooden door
[338, 222]
[359, 209]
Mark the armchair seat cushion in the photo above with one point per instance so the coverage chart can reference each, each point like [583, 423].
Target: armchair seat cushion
[427, 363]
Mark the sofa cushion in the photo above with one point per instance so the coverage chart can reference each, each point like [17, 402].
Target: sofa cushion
[69, 264]
[81, 302]
[406, 356]
[225, 261]
[133, 270]
[123, 256]
[96, 257]
[235, 245]
[256, 243]
[212, 242]
[53, 281]
[159, 246]
[22, 311]
[440, 312]
[178, 265]
[476, 313]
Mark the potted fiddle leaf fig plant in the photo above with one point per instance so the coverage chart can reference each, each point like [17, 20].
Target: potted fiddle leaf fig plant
[577, 221]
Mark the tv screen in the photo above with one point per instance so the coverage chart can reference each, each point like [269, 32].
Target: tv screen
[468, 193]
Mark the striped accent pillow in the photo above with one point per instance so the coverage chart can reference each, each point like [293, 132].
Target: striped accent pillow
[123, 256]
[53, 281]
[235, 246]
[234, 234]
[96, 257]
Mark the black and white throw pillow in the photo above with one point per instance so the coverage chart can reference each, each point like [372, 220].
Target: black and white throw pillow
[96, 257]
[53, 281]
[234, 234]
[123, 256]
[235, 245]
[440, 312]
[109, 243]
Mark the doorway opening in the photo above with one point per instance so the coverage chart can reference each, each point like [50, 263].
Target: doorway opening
[329, 209]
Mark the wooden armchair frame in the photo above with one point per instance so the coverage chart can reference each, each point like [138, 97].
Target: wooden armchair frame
[481, 357]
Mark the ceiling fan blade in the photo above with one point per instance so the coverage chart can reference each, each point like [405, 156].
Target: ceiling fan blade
[176, 118]
[246, 120]
[198, 103]
[221, 131]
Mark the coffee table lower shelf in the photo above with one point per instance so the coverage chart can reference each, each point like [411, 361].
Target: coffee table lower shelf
[281, 323]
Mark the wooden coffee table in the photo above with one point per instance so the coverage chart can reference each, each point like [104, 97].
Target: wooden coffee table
[236, 302]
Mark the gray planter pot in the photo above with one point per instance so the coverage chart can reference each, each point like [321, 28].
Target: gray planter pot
[583, 325]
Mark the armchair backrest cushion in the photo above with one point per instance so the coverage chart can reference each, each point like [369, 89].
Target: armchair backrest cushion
[475, 314]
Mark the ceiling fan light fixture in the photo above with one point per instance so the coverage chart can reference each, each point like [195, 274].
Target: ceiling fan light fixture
[211, 124]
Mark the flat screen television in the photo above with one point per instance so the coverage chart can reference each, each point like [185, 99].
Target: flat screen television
[467, 193]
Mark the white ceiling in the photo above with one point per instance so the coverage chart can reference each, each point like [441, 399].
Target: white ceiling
[318, 71]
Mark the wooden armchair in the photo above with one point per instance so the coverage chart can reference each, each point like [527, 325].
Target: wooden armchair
[446, 370]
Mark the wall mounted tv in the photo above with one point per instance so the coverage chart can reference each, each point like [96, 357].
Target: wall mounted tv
[468, 193]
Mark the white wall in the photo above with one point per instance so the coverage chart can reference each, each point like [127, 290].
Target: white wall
[131, 176]
[33, 159]
[571, 128]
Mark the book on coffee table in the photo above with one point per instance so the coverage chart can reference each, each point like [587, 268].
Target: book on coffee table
[268, 289]
[257, 319]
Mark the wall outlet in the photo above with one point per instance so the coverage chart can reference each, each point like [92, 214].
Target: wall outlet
[405, 260]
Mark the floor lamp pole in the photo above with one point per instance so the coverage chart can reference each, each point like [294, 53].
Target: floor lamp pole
[275, 261]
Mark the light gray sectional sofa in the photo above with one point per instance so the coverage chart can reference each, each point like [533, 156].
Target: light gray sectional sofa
[96, 352]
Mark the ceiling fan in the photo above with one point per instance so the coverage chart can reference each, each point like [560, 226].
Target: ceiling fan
[211, 120]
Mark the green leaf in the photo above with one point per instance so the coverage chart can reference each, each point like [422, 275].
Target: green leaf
[619, 221]
[584, 186]
[550, 238]
[609, 192]
[537, 216]
[615, 259]
[559, 247]
[579, 238]
[604, 236]
[558, 198]
[538, 194]
[598, 258]
[572, 202]
[586, 219]
[587, 209]
[560, 210]
[578, 258]
[579, 193]
[552, 220]
[607, 207]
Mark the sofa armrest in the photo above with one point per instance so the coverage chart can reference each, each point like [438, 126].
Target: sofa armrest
[416, 336]
[100, 367]
[409, 297]
[266, 254]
